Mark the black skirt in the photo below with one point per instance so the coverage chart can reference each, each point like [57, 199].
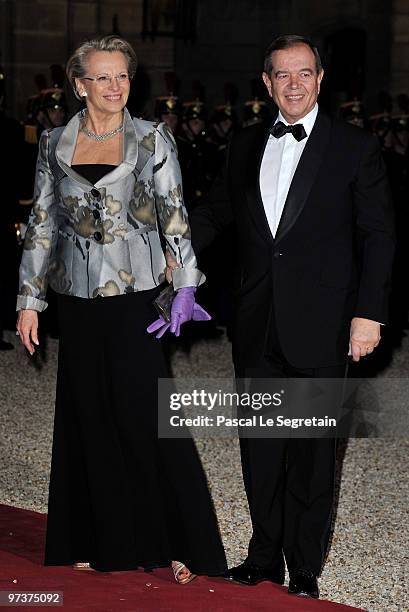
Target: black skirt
[120, 497]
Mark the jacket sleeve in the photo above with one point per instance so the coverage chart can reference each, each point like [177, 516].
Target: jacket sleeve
[41, 235]
[171, 210]
[375, 234]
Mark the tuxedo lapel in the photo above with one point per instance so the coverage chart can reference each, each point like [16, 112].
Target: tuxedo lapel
[305, 175]
[253, 194]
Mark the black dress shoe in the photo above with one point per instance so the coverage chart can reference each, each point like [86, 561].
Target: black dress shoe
[304, 584]
[250, 574]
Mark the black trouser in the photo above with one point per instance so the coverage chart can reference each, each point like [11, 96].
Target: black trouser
[289, 483]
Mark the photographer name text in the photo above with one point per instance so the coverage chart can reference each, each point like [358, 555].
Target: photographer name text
[257, 420]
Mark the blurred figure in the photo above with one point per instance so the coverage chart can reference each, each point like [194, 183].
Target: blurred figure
[52, 111]
[32, 108]
[194, 117]
[45, 110]
[354, 113]
[219, 290]
[197, 154]
[32, 130]
[199, 161]
[48, 110]
[255, 111]
[224, 123]
[381, 125]
[169, 110]
[400, 131]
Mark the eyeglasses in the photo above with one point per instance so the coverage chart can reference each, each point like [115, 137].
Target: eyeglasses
[105, 79]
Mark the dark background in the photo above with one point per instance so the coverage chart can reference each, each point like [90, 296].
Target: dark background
[364, 43]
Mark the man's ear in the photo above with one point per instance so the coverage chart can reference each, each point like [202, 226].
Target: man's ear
[267, 83]
[320, 77]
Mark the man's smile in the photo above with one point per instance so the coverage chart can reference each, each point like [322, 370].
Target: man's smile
[294, 97]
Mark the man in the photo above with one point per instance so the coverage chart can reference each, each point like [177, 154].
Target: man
[310, 204]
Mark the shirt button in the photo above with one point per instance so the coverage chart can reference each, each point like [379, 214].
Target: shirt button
[95, 194]
[96, 214]
[97, 236]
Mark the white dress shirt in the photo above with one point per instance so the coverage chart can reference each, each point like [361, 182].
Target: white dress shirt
[279, 163]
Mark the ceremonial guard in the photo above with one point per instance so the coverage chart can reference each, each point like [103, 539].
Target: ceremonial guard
[353, 112]
[53, 108]
[169, 110]
[255, 111]
[48, 109]
[197, 154]
[224, 120]
[224, 123]
[400, 130]
[381, 125]
[200, 162]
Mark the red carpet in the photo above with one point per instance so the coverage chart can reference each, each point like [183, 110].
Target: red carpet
[21, 549]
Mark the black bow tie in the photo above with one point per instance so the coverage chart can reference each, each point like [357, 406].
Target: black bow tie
[279, 129]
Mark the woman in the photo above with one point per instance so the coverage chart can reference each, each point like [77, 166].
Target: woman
[120, 498]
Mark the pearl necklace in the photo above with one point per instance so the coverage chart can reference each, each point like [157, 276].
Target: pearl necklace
[99, 137]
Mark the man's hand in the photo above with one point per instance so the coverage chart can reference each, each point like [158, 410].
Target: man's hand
[365, 336]
[171, 264]
[27, 329]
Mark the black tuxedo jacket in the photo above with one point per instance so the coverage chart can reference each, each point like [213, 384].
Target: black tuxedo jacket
[332, 255]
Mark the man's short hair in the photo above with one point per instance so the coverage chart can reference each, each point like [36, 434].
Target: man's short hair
[286, 42]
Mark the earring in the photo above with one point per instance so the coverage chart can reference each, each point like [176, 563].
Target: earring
[84, 94]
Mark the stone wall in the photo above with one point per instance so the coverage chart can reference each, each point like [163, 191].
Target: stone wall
[233, 34]
[38, 33]
[231, 38]
[400, 48]
[229, 48]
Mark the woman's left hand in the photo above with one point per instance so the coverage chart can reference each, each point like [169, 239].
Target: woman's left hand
[171, 264]
[184, 308]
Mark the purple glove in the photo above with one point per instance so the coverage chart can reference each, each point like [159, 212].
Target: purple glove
[160, 324]
[184, 308]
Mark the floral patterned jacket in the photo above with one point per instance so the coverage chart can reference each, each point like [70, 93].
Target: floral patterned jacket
[103, 240]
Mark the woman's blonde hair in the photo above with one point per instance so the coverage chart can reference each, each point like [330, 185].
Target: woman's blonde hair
[77, 64]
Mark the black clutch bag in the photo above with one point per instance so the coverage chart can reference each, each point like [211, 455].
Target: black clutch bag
[163, 303]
